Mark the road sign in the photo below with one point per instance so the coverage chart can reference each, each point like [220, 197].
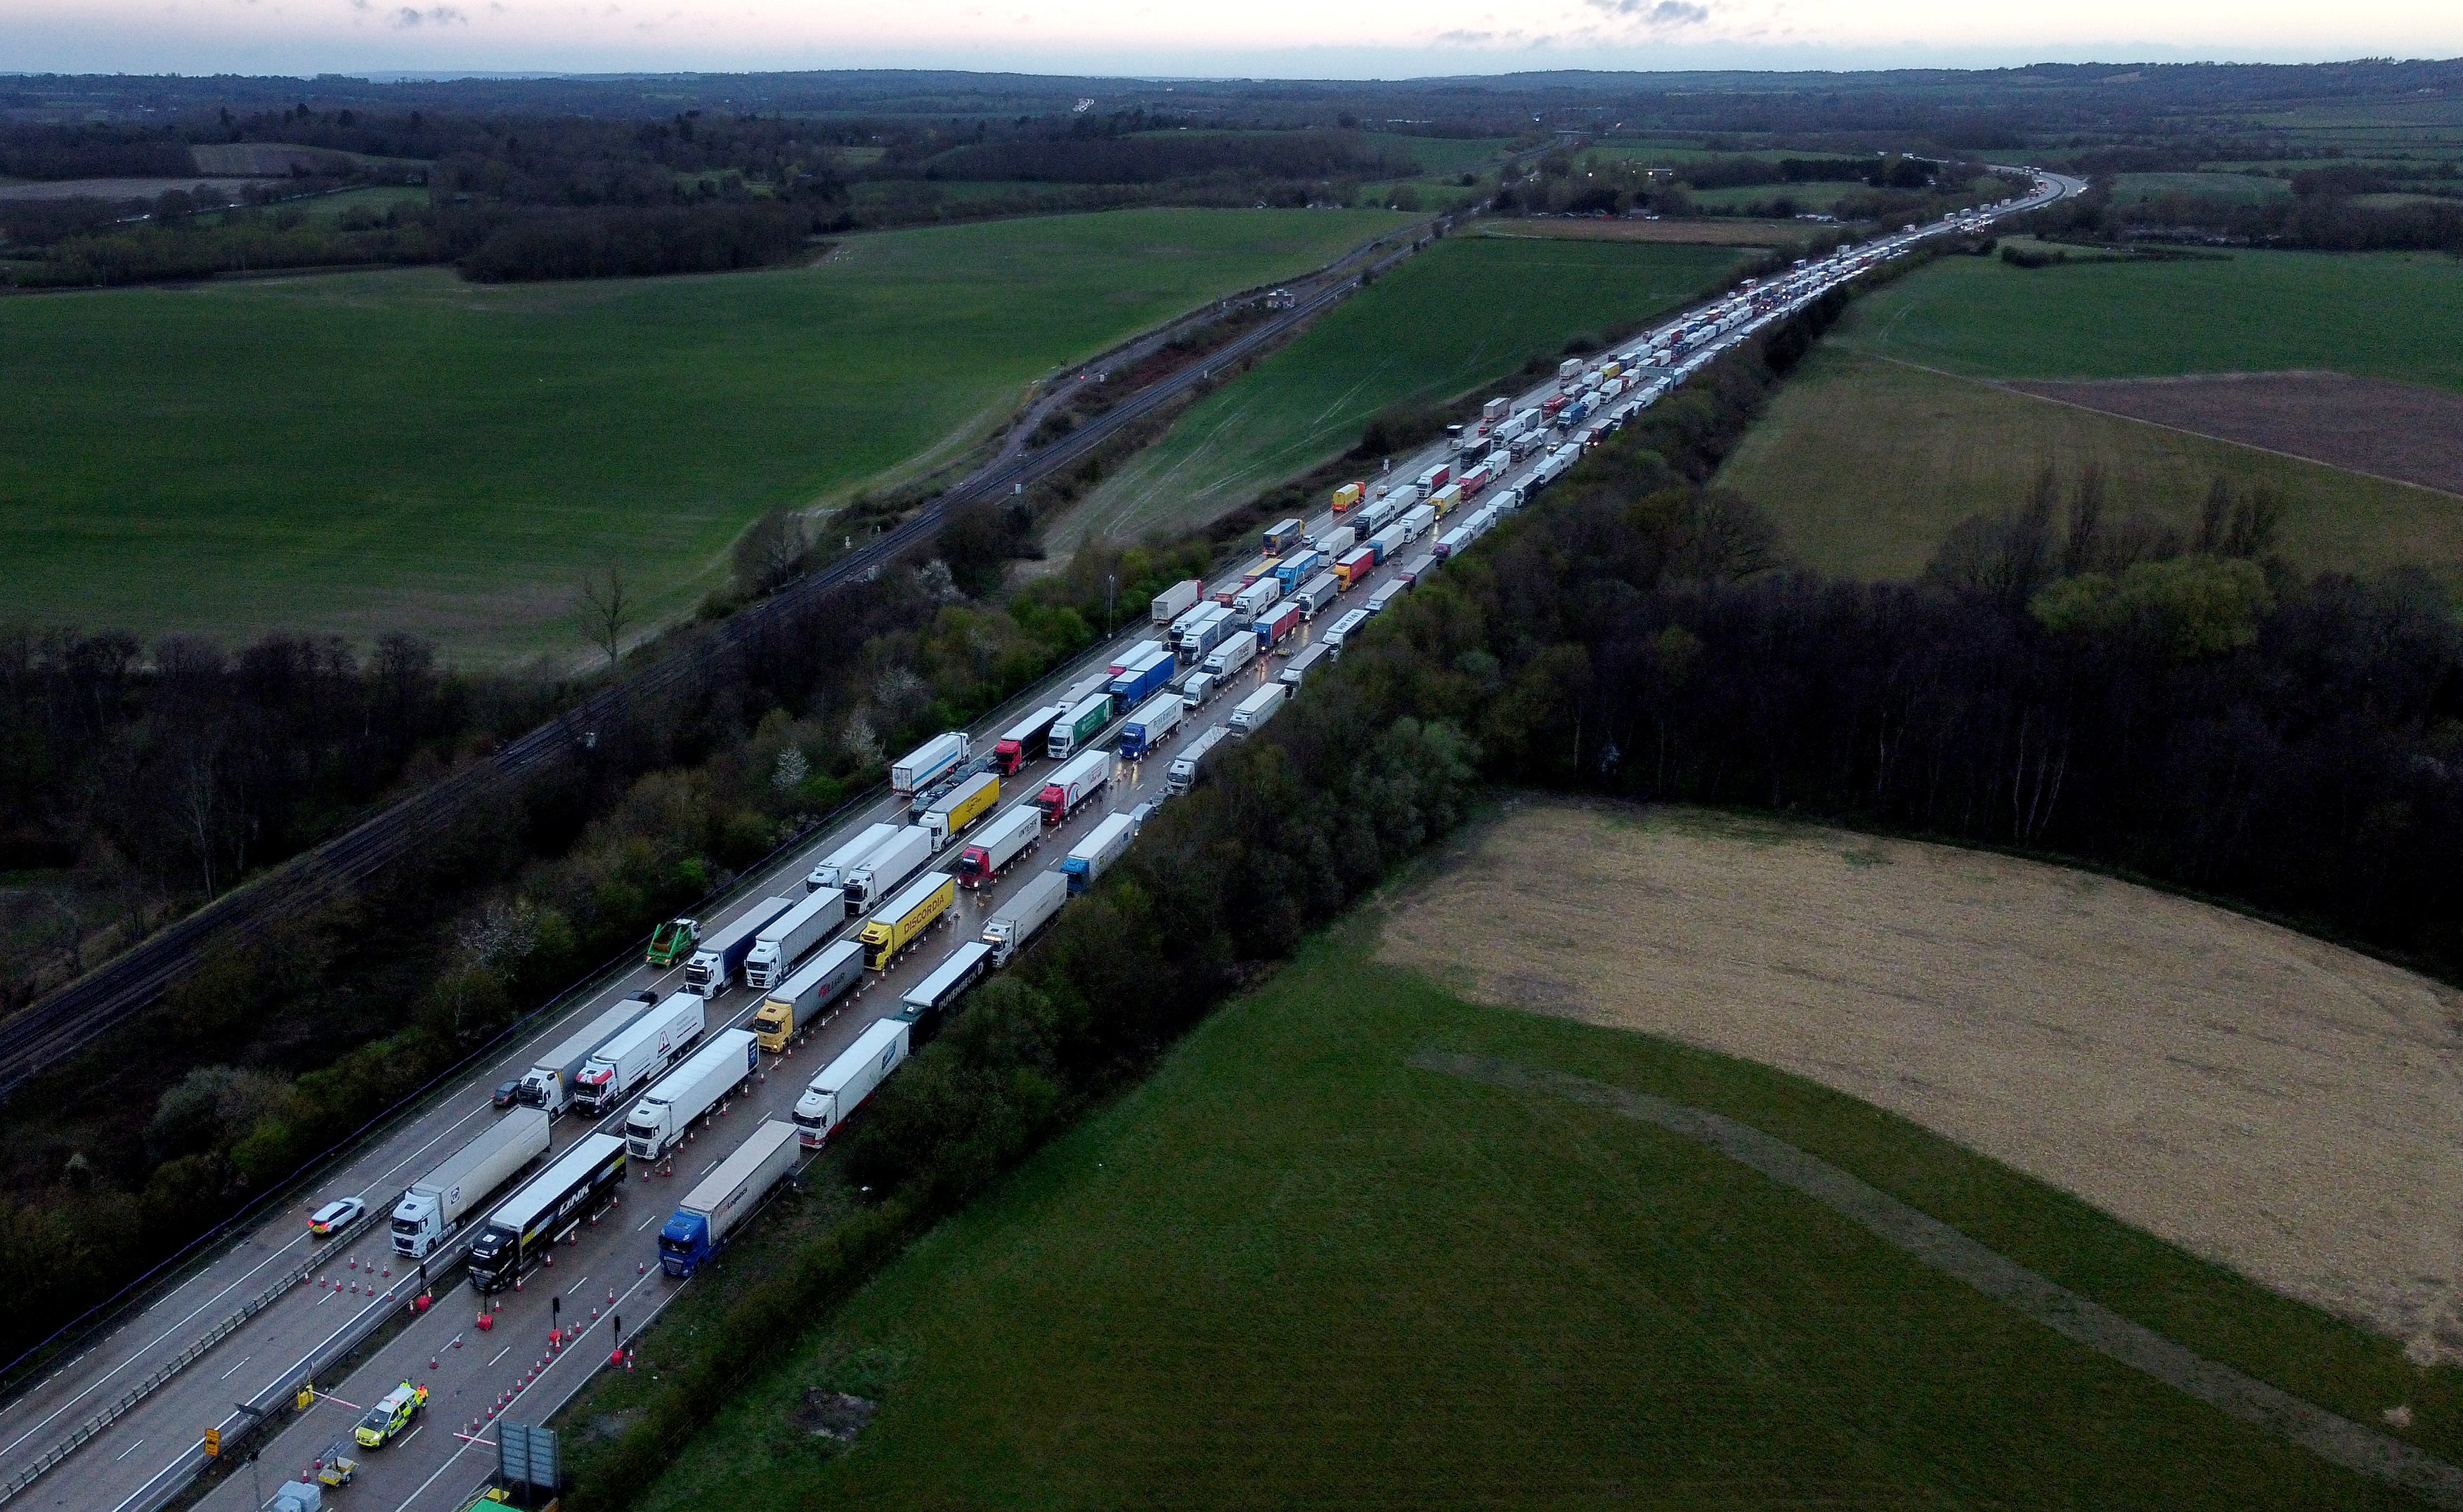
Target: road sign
[213, 1443]
[526, 1456]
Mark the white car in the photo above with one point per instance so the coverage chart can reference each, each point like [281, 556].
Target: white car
[336, 1216]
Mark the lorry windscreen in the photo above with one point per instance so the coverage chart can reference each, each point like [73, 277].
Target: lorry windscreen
[407, 1227]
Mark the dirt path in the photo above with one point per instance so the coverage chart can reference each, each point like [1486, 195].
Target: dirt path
[2282, 1106]
[2331, 1437]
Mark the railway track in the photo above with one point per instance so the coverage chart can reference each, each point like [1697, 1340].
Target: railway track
[71, 1017]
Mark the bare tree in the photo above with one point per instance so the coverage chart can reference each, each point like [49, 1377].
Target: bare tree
[607, 610]
[771, 552]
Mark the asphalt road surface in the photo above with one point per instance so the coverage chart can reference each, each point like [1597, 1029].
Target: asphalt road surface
[611, 1266]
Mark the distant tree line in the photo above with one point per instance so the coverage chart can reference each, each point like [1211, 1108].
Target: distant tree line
[2326, 210]
[1155, 160]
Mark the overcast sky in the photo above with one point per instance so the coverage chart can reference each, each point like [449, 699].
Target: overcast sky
[1382, 38]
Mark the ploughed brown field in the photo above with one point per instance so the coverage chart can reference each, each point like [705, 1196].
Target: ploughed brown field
[2276, 1104]
[2394, 430]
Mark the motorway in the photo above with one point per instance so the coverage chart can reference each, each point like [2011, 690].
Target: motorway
[146, 1455]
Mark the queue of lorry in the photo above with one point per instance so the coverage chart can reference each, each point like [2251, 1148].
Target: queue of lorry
[657, 1045]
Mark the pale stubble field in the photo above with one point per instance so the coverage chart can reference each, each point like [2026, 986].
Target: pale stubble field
[2264, 1101]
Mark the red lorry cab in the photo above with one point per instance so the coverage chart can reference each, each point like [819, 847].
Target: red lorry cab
[976, 867]
[1009, 756]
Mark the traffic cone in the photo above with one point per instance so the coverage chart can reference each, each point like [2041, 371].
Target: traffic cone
[641, 1267]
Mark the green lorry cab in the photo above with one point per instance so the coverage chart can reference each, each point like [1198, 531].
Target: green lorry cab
[672, 942]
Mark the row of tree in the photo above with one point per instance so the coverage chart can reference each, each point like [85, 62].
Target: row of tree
[2198, 718]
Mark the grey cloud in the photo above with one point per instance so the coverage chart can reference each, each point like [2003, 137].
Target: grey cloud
[1658, 14]
[439, 15]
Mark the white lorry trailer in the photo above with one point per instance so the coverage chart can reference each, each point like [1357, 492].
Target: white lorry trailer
[431, 1211]
[785, 938]
[794, 1003]
[842, 1086]
[551, 1081]
[716, 1072]
[719, 955]
[1231, 655]
[1182, 775]
[727, 1197]
[1174, 601]
[1150, 725]
[1000, 842]
[900, 856]
[1091, 857]
[929, 763]
[635, 1057]
[1251, 714]
[835, 866]
[1029, 909]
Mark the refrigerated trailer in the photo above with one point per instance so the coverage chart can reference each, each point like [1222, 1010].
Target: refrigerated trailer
[634, 1058]
[899, 856]
[553, 1078]
[716, 1073]
[1252, 712]
[1182, 775]
[727, 1197]
[831, 1097]
[804, 998]
[431, 1210]
[521, 1231]
[1029, 909]
[835, 866]
[1150, 725]
[712, 969]
[1091, 857]
[1073, 785]
[1000, 841]
[792, 935]
[929, 763]
[1174, 601]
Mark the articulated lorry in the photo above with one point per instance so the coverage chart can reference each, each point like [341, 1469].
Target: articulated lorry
[1091, 857]
[1182, 775]
[804, 998]
[1150, 725]
[906, 918]
[1234, 654]
[948, 982]
[1139, 681]
[927, 763]
[1174, 601]
[1251, 714]
[727, 1197]
[550, 1082]
[789, 936]
[900, 856]
[557, 1200]
[966, 803]
[1309, 658]
[834, 1095]
[1074, 784]
[833, 871]
[998, 843]
[1029, 909]
[1080, 724]
[712, 969]
[431, 1211]
[717, 1071]
[636, 1057]
[1020, 742]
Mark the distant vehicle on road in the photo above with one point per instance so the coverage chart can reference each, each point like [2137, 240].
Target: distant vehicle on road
[336, 1216]
[508, 1094]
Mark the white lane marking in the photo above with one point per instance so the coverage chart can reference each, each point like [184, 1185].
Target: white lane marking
[500, 1354]
[227, 1375]
[130, 1450]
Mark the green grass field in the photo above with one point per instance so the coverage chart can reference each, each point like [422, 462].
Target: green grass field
[1819, 195]
[1291, 1269]
[1867, 464]
[365, 452]
[1445, 156]
[2232, 188]
[2392, 315]
[1467, 311]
